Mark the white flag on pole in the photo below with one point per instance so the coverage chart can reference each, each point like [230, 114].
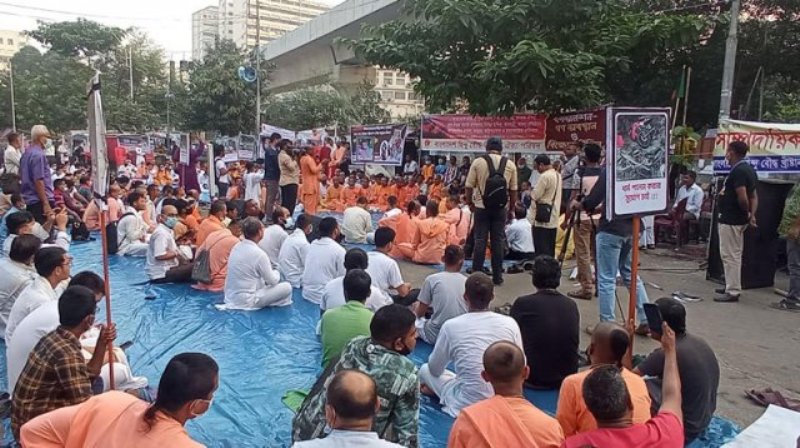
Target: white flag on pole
[97, 138]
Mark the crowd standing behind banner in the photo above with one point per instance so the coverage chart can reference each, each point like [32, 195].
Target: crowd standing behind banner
[438, 209]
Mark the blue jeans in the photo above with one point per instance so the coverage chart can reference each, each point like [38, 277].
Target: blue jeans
[614, 254]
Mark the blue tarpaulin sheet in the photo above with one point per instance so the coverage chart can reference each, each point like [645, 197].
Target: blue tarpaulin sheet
[261, 355]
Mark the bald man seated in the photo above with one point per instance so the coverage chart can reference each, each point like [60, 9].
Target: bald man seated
[352, 402]
[507, 419]
[609, 345]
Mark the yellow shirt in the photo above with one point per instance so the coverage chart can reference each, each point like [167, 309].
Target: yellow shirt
[479, 172]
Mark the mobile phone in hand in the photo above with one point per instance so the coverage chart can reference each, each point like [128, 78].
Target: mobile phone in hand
[654, 319]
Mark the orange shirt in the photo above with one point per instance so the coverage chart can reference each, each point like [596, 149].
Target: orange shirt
[111, 420]
[309, 171]
[350, 195]
[504, 422]
[404, 227]
[430, 239]
[91, 216]
[410, 193]
[459, 225]
[369, 192]
[219, 246]
[574, 416]
[162, 178]
[427, 171]
[435, 191]
[333, 200]
[191, 222]
[207, 227]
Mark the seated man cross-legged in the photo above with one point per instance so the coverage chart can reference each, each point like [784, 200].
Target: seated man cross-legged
[507, 419]
[165, 263]
[385, 272]
[462, 341]
[340, 325]
[334, 295]
[252, 283]
[443, 293]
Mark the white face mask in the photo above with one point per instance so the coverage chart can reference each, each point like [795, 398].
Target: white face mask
[289, 222]
[226, 222]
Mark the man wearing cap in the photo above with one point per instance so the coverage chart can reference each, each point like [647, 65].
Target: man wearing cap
[489, 220]
[37, 181]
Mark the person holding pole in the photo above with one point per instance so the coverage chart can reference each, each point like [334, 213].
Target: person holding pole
[614, 242]
[738, 202]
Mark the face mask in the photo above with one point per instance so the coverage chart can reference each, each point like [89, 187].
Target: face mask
[289, 222]
[226, 222]
[171, 222]
[193, 414]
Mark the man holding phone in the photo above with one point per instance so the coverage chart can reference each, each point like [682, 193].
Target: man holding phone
[699, 373]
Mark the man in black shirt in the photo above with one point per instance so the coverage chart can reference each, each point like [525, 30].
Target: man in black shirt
[697, 366]
[272, 172]
[738, 202]
[549, 322]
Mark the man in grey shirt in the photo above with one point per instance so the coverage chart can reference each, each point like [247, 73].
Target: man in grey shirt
[352, 400]
[444, 292]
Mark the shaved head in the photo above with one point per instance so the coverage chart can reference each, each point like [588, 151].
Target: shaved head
[352, 395]
[504, 362]
[610, 342]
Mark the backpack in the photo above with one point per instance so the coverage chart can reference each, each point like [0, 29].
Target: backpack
[79, 232]
[112, 238]
[495, 190]
[201, 269]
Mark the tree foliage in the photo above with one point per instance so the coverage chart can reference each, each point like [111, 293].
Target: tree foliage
[81, 38]
[218, 99]
[501, 57]
[316, 107]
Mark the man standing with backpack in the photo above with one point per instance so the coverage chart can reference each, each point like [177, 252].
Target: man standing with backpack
[491, 191]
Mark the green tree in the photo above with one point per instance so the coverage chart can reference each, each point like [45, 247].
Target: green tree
[320, 107]
[81, 38]
[218, 99]
[49, 89]
[502, 57]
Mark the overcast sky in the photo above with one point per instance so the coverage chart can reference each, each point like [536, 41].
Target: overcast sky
[168, 22]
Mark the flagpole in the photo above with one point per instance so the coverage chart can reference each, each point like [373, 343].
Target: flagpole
[686, 94]
[107, 282]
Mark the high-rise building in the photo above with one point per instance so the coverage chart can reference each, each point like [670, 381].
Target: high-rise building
[397, 94]
[205, 28]
[239, 19]
[10, 43]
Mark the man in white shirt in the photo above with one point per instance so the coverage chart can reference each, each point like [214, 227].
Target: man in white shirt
[39, 323]
[444, 292]
[519, 236]
[224, 180]
[357, 222]
[411, 167]
[462, 341]
[53, 266]
[385, 272]
[16, 273]
[693, 194]
[128, 169]
[392, 209]
[131, 228]
[333, 297]
[13, 154]
[252, 182]
[22, 223]
[327, 261]
[292, 257]
[252, 283]
[275, 235]
[165, 264]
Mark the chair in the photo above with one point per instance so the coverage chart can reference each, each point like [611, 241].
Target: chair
[672, 222]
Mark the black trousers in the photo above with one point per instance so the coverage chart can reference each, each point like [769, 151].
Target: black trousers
[289, 197]
[223, 190]
[37, 210]
[489, 224]
[179, 274]
[544, 241]
[408, 300]
[520, 256]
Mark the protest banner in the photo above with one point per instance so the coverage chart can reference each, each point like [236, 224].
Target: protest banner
[378, 144]
[774, 147]
[313, 136]
[522, 133]
[246, 148]
[267, 130]
[637, 161]
[588, 126]
[230, 145]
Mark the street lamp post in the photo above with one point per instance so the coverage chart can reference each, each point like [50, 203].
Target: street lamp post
[13, 105]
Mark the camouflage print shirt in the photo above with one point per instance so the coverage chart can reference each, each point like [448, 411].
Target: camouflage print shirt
[398, 391]
[791, 211]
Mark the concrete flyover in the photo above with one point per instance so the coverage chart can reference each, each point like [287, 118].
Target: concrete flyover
[308, 55]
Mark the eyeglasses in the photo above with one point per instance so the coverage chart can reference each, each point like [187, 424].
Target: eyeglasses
[67, 261]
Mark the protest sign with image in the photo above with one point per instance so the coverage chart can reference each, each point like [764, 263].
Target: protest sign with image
[246, 150]
[637, 161]
[380, 144]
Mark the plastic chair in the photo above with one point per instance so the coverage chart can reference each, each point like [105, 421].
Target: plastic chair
[672, 222]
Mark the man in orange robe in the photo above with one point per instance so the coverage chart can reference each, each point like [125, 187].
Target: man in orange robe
[459, 220]
[431, 237]
[219, 246]
[309, 175]
[351, 193]
[507, 419]
[333, 198]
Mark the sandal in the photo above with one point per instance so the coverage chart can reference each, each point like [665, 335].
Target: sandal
[786, 305]
[580, 294]
[515, 269]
